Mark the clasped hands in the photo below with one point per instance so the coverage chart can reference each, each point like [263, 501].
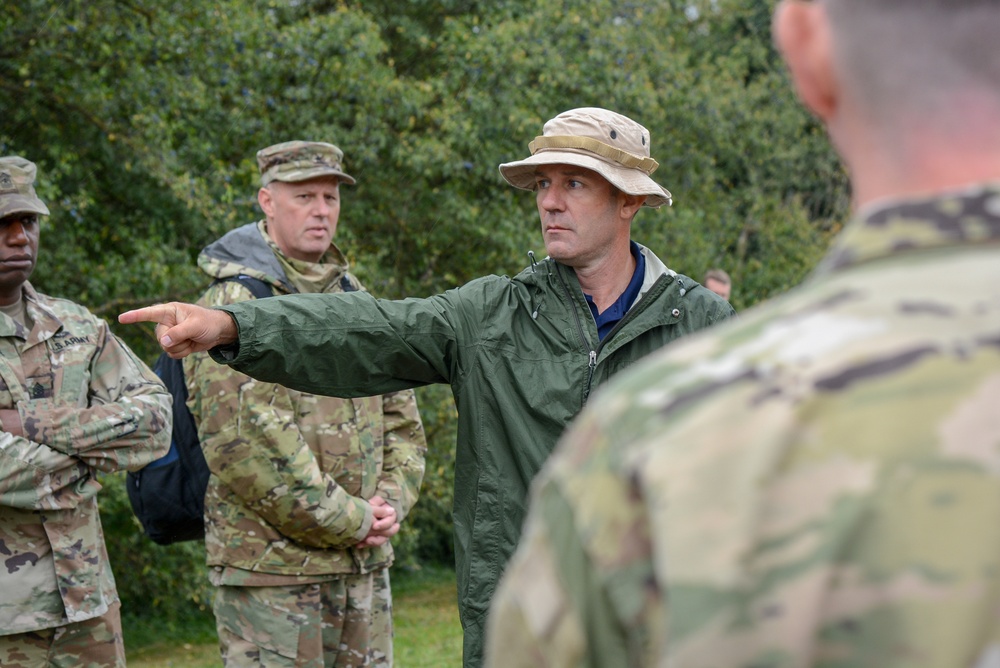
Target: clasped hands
[384, 526]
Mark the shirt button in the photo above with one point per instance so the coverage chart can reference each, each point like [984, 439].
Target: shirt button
[676, 312]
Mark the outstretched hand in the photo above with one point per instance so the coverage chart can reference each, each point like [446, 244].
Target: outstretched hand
[183, 329]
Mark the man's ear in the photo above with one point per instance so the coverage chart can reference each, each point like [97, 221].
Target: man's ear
[631, 205]
[266, 200]
[802, 34]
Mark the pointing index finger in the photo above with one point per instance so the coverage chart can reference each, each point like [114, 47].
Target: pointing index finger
[162, 314]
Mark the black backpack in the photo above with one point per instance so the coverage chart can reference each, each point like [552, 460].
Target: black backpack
[168, 495]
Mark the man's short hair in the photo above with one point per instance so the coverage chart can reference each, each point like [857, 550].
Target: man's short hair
[914, 55]
[717, 275]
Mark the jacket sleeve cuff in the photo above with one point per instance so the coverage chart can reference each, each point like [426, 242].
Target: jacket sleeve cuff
[366, 524]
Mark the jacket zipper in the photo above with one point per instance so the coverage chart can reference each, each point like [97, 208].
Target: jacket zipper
[592, 355]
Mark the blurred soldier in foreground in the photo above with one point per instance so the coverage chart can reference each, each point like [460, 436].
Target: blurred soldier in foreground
[521, 354]
[305, 490]
[819, 483]
[74, 400]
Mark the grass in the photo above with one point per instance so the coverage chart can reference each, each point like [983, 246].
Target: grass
[427, 631]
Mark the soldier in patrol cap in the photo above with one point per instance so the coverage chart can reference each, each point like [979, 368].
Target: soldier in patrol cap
[305, 490]
[817, 484]
[74, 401]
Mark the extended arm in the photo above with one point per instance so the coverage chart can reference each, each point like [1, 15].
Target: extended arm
[352, 345]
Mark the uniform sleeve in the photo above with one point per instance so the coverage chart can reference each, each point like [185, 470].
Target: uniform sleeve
[126, 422]
[404, 451]
[33, 476]
[253, 445]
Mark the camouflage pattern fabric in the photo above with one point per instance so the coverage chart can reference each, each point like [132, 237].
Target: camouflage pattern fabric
[300, 161]
[87, 404]
[817, 484]
[17, 187]
[94, 643]
[291, 471]
[343, 623]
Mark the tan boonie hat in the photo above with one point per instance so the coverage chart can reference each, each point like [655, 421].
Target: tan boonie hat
[301, 161]
[17, 192]
[614, 146]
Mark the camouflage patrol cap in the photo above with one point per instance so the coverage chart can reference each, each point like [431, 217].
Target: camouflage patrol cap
[301, 161]
[17, 192]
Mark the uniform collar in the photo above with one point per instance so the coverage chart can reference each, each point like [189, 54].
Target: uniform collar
[956, 218]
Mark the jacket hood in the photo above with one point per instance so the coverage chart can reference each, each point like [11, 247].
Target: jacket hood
[246, 250]
[243, 251]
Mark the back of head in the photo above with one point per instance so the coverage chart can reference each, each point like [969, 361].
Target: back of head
[934, 60]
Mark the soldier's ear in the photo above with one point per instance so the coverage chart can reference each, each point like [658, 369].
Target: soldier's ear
[266, 200]
[802, 35]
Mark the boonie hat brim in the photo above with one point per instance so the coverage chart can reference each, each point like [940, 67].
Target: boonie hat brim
[522, 174]
[601, 140]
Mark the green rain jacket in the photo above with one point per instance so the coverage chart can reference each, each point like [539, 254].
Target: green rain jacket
[521, 355]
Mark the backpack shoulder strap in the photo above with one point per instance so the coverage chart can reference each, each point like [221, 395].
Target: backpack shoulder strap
[258, 288]
[346, 285]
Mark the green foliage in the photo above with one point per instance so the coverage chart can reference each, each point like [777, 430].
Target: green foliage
[145, 117]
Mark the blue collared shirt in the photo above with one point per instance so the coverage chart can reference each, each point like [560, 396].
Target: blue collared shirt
[606, 321]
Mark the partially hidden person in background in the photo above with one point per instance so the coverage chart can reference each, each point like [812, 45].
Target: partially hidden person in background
[719, 282]
[74, 401]
[306, 490]
[817, 484]
[521, 354]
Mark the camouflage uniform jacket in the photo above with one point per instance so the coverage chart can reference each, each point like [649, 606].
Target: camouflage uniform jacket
[292, 471]
[521, 355]
[87, 404]
[815, 485]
